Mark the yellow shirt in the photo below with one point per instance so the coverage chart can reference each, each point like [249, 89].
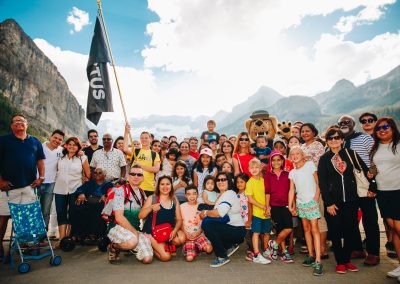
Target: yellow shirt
[144, 158]
[256, 189]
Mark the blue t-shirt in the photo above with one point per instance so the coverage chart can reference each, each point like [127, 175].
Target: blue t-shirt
[18, 159]
[264, 151]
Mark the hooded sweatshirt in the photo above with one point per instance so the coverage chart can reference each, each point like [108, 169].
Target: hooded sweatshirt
[277, 185]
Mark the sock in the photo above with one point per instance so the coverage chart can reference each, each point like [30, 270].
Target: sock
[275, 245]
[256, 254]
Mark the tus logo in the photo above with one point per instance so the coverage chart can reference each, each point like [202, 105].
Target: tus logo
[96, 83]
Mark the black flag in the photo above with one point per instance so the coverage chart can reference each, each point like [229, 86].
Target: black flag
[99, 96]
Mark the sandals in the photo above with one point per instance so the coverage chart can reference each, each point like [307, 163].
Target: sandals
[113, 254]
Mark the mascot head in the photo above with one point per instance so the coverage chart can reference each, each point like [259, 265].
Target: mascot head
[261, 124]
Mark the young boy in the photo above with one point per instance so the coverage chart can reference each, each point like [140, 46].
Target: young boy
[260, 222]
[210, 134]
[196, 241]
[262, 150]
[219, 160]
[277, 185]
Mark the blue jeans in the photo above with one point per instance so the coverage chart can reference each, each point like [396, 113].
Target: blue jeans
[46, 199]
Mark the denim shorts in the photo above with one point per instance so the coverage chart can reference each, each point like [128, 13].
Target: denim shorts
[259, 225]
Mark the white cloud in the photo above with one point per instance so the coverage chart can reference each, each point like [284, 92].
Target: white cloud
[77, 18]
[367, 15]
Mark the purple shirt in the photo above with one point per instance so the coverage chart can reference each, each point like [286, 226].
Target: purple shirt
[278, 188]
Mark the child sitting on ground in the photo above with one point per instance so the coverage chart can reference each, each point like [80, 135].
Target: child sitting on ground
[196, 241]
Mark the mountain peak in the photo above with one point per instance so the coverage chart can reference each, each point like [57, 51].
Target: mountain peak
[344, 85]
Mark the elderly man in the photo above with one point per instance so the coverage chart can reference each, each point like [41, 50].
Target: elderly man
[362, 143]
[123, 209]
[110, 159]
[22, 158]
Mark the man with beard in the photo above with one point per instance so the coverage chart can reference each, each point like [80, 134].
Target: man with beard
[362, 143]
[93, 137]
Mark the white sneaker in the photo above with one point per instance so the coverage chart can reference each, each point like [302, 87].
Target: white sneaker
[394, 273]
[260, 259]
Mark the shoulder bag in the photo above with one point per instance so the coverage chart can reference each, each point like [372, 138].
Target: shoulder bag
[361, 179]
[160, 232]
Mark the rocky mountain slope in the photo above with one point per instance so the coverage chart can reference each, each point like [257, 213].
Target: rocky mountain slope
[33, 85]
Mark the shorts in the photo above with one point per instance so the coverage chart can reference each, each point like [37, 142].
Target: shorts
[194, 247]
[23, 195]
[119, 234]
[309, 210]
[261, 226]
[282, 217]
[388, 202]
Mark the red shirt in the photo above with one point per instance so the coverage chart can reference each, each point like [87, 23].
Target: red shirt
[243, 161]
[194, 154]
[277, 187]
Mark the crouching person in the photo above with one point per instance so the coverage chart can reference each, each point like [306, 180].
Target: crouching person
[123, 205]
[196, 241]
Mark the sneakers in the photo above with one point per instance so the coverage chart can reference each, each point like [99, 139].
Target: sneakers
[309, 261]
[260, 259]
[267, 254]
[394, 273]
[372, 260]
[351, 267]
[232, 250]
[318, 269]
[273, 247]
[218, 262]
[286, 257]
[341, 269]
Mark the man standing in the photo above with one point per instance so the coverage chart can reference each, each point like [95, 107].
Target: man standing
[53, 152]
[93, 137]
[368, 121]
[110, 159]
[362, 143]
[193, 150]
[21, 158]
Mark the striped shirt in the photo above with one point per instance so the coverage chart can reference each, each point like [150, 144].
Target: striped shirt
[362, 144]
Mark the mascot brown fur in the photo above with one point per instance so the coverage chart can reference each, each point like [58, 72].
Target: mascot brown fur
[262, 124]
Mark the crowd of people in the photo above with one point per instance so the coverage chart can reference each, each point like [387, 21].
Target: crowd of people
[152, 196]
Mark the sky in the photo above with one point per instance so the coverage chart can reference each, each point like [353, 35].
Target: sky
[197, 57]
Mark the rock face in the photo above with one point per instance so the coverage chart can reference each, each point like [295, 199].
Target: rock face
[33, 84]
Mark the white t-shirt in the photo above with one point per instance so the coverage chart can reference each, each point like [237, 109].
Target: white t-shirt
[229, 203]
[388, 166]
[304, 181]
[69, 175]
[50, 163]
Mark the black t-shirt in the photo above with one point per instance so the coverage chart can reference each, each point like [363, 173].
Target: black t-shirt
[89, 152]
[209, 136]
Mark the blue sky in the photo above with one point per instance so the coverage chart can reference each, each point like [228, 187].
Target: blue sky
[171, 51]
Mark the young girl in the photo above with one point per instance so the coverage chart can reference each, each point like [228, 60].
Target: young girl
[245, 211]
[205, 166]
[210, 194]
[169, 162]
[227, 167]
[293, 141]
[181, 179]
[304, 180]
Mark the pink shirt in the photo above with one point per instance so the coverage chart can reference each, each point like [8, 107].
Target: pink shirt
[191, 220]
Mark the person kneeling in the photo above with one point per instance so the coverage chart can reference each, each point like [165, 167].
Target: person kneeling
[196, 241]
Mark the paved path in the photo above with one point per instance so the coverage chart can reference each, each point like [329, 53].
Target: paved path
[88, 265]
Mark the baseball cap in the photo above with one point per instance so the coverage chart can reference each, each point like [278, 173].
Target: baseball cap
[206, 151]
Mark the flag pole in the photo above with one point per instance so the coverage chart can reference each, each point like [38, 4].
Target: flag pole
[112, 61]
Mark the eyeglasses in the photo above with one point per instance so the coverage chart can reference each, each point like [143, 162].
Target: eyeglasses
[107, 139]
[344, 122]
[337, 138]
[244, 139]
[165, 141]
[383, 127]
[221, 179]
[136, 174]
[369, 120]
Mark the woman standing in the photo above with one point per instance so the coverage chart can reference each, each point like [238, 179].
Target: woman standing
[70, 170]
[386, 157]
[241, 155]
[185, 157]
[223, 225]
[227, 150]
[339, 191]
[165, 204]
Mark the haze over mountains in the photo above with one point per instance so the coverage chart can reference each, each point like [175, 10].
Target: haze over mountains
[30, 82]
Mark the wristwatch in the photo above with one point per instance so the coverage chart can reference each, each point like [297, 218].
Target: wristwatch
[42, 178]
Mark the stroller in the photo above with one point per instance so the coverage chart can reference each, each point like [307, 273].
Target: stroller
[28, 230]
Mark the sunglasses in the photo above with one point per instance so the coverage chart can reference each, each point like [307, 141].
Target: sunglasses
[221, 179]
[165, 142]
[107, 139]
[136, 174]
[369, 120]
[244, 139]
[337, 138]
[383, 127]
[344, 122]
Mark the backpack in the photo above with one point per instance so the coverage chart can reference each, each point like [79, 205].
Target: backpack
[108, 214]
[136, 153]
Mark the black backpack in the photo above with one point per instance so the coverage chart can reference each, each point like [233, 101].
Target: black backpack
[136, 153]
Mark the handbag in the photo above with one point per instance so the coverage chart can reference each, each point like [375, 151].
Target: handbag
[160, 232]
[361, 179]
